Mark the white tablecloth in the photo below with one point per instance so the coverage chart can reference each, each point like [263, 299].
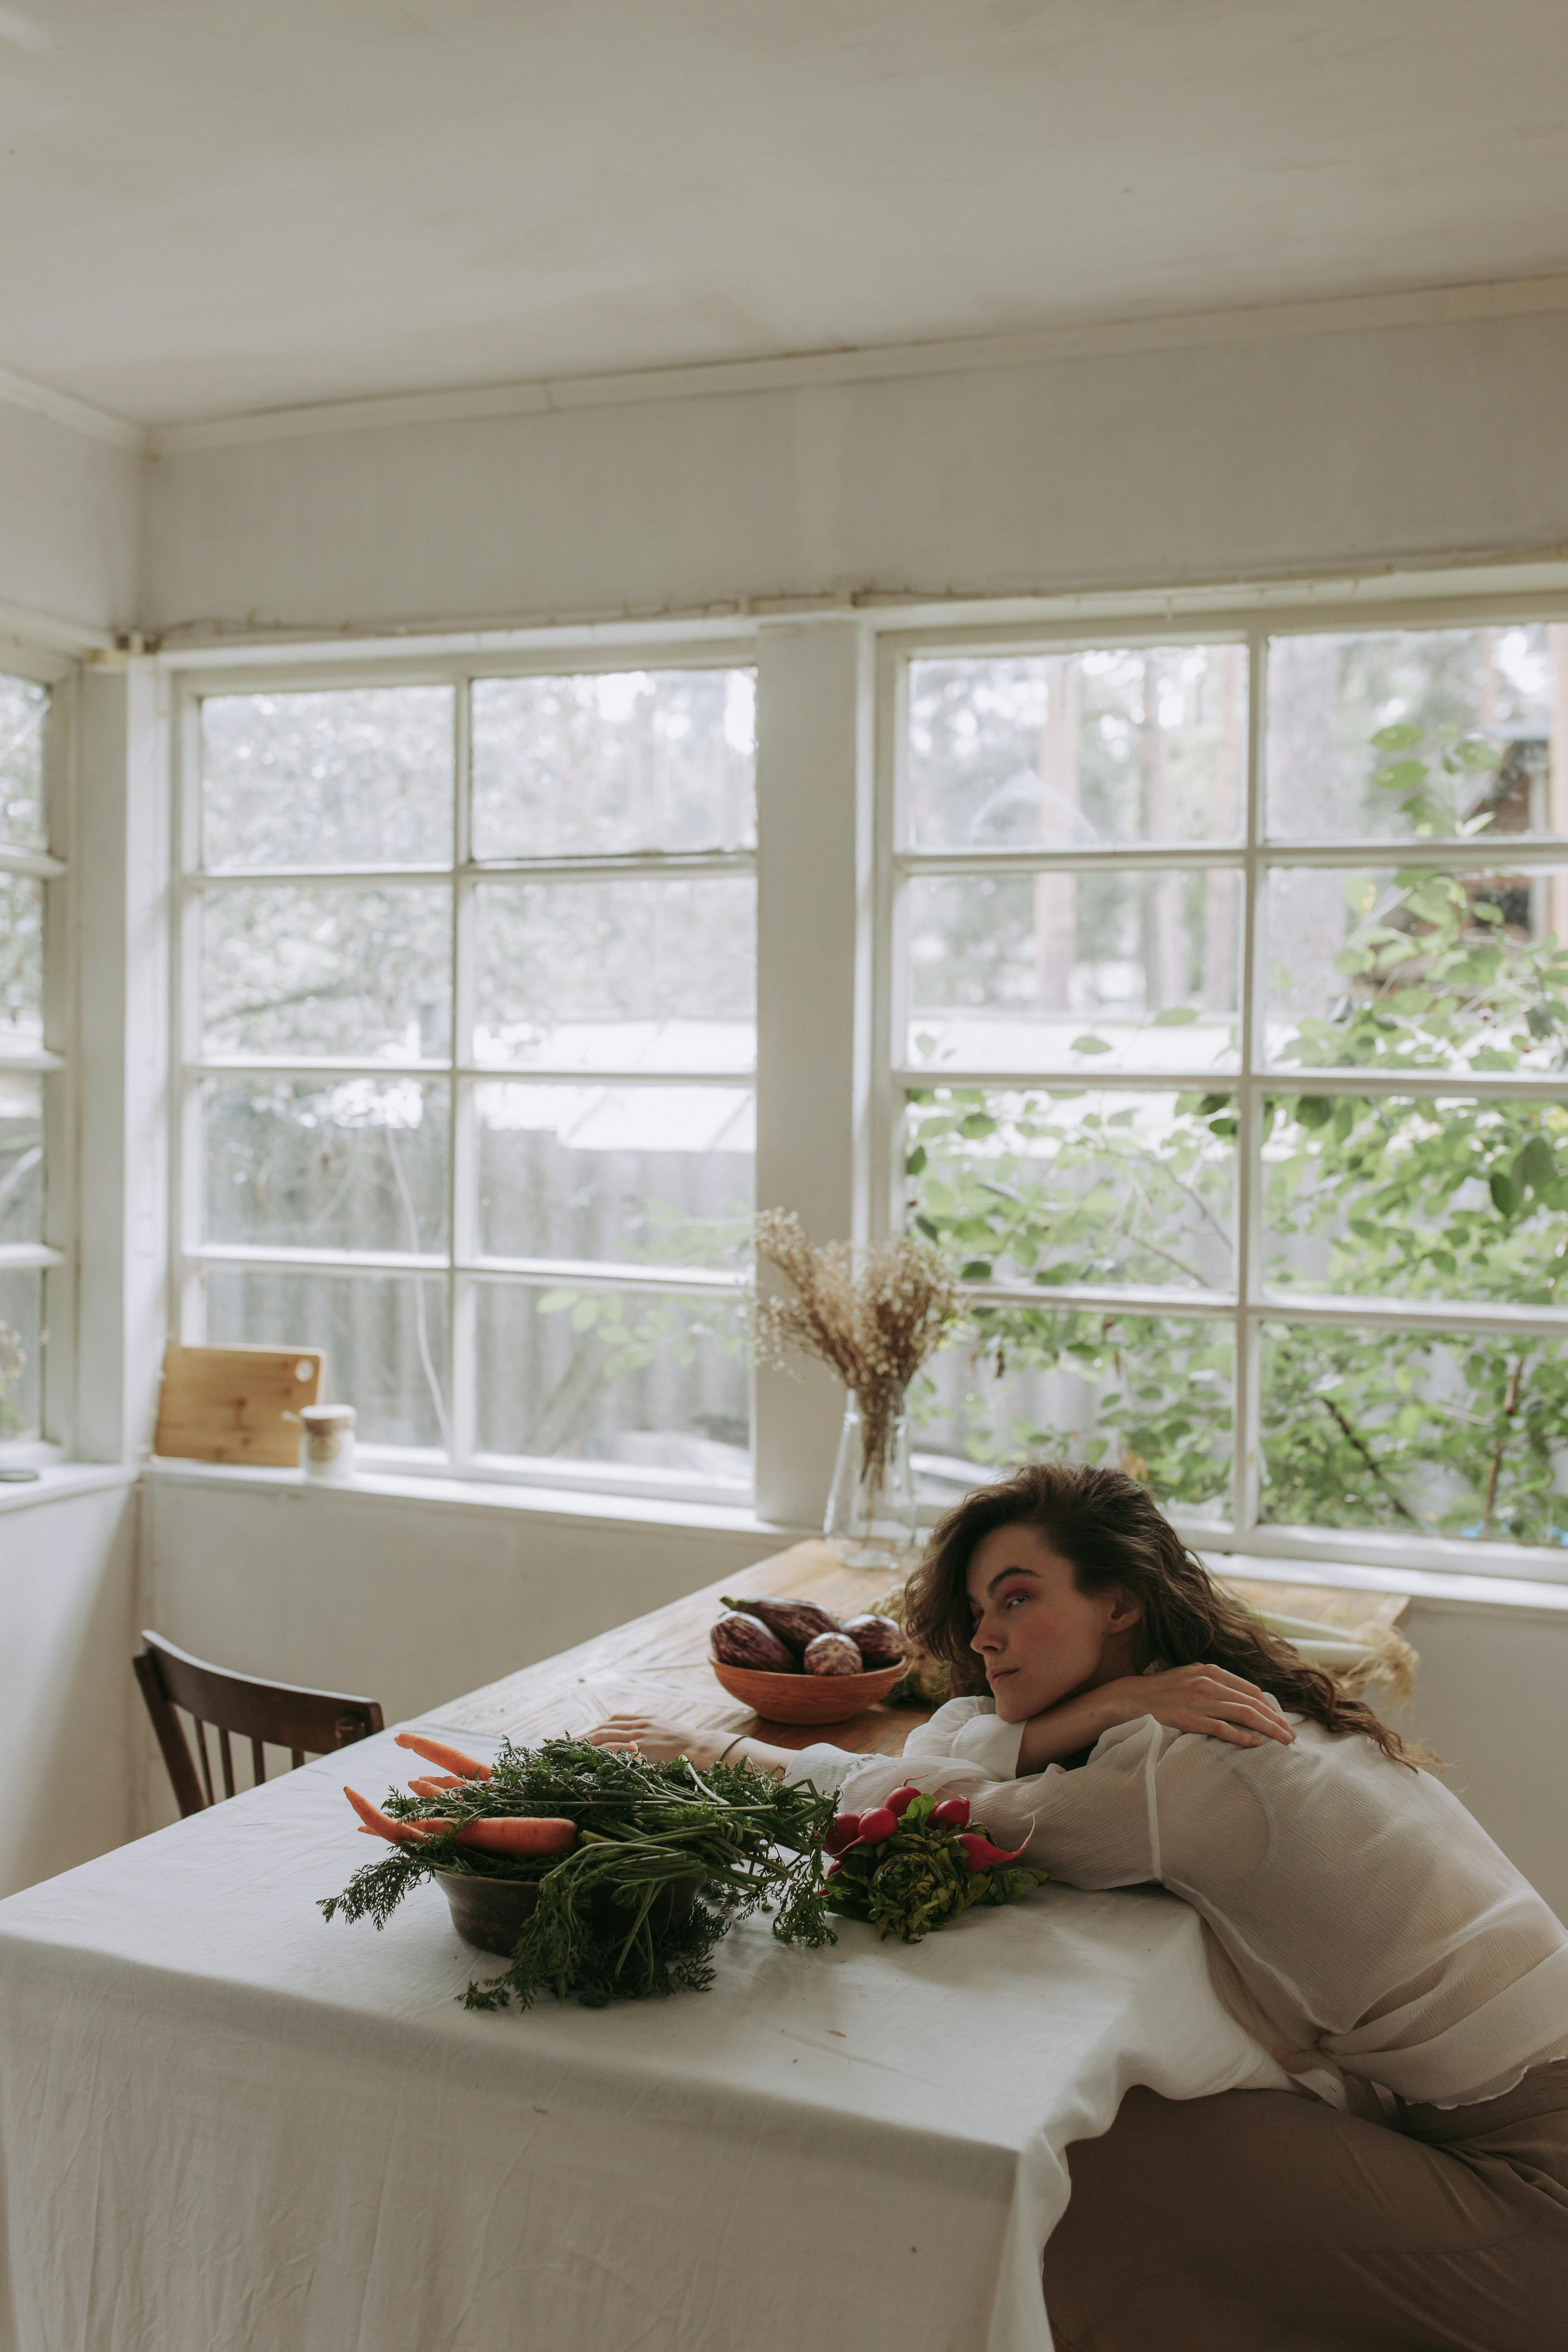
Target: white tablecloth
[225, 2124]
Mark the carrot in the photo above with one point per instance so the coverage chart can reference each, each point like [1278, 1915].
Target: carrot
[450, 1760]
[436, 1785]
[521, 1834]
[382, 1824]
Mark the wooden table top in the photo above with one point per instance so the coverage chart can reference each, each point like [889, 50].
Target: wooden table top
[659, 1665]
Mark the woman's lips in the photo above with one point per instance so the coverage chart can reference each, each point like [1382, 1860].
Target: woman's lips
[999, 1673]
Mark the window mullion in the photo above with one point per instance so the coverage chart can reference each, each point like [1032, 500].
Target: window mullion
[57, 1402]
[889, 1018]
[188, 1171]
[814, 832]
[1247, 1465]
[462, 1172]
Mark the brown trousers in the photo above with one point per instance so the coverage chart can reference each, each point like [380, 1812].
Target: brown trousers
[1263, 2221]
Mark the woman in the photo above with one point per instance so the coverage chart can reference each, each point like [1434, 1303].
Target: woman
[1412, 2192]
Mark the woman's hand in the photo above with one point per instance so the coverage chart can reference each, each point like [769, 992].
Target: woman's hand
[1209, 1699]
[1202, 1698]
[660, 1742]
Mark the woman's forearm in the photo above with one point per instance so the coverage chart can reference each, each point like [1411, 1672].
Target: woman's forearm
[759, 1756]
[1065, 1729]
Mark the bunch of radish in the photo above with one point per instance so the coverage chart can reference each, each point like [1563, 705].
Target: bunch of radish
[916, 1861]
[875, 1828]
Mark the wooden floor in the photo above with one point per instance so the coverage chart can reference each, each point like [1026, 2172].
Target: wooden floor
[659, 1665]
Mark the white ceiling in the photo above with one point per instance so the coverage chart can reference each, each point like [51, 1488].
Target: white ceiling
[218, 206]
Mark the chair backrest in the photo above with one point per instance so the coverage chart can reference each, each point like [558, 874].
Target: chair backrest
[269, 1715]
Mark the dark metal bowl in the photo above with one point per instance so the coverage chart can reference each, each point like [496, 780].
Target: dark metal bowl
[489, 1913]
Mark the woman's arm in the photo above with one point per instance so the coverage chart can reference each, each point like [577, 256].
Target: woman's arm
[1089, 1828]
[1202, 1698]
[652, 1736]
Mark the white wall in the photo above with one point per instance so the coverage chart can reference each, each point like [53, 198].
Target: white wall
[67, 1604]
[1491, 1698]
[70, 541]
[1149, 466]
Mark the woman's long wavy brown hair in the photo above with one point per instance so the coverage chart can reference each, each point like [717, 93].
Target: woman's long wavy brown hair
[1111, 1533]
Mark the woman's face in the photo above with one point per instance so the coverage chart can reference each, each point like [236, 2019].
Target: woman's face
[1041, 1639]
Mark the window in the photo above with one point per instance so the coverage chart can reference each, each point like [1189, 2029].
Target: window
[1228, 1008]
[469, 1001]
[34, 1191]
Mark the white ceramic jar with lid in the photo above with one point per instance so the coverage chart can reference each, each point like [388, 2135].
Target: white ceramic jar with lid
[327, 1445]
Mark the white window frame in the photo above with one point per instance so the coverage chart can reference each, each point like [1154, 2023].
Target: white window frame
[461, 1266]
[1198, 617]
[830, 751]
[54, 1255]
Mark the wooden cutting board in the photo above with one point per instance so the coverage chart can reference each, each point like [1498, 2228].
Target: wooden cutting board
[236, 1404]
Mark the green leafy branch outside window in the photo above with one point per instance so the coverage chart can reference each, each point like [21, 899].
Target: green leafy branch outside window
[1375, 1197]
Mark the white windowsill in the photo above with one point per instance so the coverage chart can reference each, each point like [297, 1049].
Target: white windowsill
[1441, 1588]
[576, 1505]
[57, 1480]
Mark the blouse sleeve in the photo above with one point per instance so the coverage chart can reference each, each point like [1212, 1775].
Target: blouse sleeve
[1096, 1826]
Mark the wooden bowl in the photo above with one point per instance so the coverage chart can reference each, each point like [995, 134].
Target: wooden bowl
[806, 1698]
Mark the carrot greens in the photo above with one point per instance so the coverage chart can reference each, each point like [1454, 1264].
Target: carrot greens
[667, 1858]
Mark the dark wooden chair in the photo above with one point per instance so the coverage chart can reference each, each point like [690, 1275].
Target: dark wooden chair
[269, 1715]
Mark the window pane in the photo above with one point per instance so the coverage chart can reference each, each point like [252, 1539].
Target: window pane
[21, 1353]
[361, 776]
[21, 1159]
[358, 1165]
[617, 975]
[1076, 1187]
[21, 964]
[1080, 972]
[24, 709]
[1153, 1398]
[1109, 745]
[663, 1172]
[385, 1337]
[328, 967]
[640, 1378]
[1416, 732]
[1410, 1199]
[638, 760]
[1421, 1433]
[1416, 969]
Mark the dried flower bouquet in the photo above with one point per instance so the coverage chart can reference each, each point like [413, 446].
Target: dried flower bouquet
[873, 1316]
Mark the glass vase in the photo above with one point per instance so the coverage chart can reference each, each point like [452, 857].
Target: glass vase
[871, 1521]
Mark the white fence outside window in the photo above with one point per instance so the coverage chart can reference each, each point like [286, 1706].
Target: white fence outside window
[466, 991]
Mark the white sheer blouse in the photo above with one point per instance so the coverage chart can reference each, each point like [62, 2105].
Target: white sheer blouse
[1357, 1914]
